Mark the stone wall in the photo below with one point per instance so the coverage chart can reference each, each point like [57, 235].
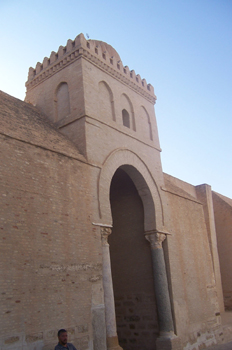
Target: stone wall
[223, 220]
[51, 265]
[190, 269]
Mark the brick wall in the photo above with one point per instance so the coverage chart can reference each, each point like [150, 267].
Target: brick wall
[190, 269]
[223, 221]
[49, 255]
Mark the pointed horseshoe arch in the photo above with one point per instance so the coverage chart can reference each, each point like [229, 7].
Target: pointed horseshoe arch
[144, 182]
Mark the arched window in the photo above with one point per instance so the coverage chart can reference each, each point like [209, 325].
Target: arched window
[146, 123]
[125, 118]
[128, 118]
[106, 101]
[62, 101]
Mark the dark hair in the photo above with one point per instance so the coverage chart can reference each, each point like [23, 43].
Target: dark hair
[61, 331]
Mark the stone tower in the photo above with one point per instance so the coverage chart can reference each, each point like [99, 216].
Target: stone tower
[85, 84]
[107, 111]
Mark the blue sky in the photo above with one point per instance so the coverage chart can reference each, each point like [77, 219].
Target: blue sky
[183, 48]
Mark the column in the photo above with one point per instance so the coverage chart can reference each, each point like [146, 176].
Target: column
[111, 329]
[168, 340]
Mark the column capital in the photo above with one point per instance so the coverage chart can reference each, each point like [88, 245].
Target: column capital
[105, 232]
[155, 238]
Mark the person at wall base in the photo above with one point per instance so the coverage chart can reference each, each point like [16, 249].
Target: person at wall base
[63, 341]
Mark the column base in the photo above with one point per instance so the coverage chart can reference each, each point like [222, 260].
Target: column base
[171, 342]
[112, 343]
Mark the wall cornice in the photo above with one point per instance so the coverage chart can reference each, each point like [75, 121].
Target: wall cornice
[90, 51]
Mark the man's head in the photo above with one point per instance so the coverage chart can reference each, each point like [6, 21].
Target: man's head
[62, 336]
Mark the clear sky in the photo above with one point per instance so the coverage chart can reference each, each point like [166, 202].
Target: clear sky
[182, 47]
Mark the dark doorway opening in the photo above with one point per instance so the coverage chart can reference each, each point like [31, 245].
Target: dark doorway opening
[131, 265]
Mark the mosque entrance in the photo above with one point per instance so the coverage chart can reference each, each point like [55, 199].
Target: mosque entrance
[131, 265]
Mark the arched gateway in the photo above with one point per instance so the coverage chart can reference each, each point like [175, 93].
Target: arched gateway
[144, 182]
[130, 207]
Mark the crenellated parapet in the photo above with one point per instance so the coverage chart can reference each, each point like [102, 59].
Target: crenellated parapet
[100, 54]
